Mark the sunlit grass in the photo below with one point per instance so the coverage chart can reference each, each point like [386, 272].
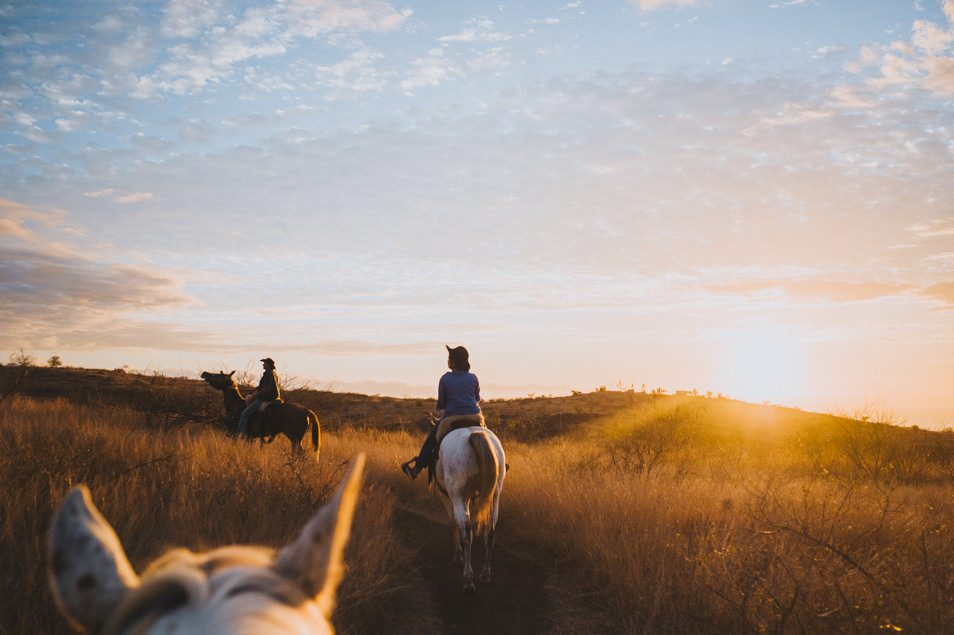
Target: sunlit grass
[670, 515]
[192, 487]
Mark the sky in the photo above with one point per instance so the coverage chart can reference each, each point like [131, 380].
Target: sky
[748, 197]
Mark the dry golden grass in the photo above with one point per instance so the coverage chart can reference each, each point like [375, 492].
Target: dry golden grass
[669, 516]
[191, 487]
[733, 529]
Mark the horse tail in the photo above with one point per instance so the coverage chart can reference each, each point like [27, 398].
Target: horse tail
[315, 433]
[486, 480]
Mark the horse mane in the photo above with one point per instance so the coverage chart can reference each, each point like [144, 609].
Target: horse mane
[486, 479]
[181, 578]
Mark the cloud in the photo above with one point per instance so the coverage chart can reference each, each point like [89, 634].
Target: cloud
[925, 61]
[187, 18]
[134, 197]
[480, 29]
[831, 290]
[930, 38]
[51, 292]
[355, 347]
[99, 193]
[22, 222]
[259, 33]
[430, 70]
[38, 281]
[940, 77]
[797, 114]
[354, 75]
[788, 3]
[943, 292]
[652, 5]
[935, 228]
[494, 59]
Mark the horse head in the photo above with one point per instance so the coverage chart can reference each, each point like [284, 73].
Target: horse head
[234, 589]
[219, 381]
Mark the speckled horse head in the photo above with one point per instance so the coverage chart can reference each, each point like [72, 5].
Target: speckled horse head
[233, 589]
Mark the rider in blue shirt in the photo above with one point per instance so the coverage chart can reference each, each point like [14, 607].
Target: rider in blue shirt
[458, 393]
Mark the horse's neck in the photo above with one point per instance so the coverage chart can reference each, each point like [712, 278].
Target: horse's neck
[234, 402]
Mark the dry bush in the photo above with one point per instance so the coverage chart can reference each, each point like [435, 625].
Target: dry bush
[191, 487]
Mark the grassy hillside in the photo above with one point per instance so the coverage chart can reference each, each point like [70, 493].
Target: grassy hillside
[640, 513]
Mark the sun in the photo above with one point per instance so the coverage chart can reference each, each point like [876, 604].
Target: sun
[763, 363]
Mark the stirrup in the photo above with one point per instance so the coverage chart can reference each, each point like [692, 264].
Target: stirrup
[409, 471]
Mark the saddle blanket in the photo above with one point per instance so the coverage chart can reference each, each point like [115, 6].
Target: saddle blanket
[455, 422]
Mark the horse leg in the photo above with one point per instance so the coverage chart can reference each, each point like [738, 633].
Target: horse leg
[295, 446]
[489, 533]
[458, 552]
[465, 538]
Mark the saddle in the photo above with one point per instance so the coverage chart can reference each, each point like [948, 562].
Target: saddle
[456, 422]
[444, 427]
[261, 424]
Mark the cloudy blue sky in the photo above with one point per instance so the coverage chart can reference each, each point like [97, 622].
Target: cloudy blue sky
[753, 197]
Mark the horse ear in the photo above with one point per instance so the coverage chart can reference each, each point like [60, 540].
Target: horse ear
[87, 567]
[232, 373]
[314, 560]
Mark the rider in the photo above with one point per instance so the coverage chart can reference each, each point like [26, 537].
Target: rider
[267, 391]
[458, 393]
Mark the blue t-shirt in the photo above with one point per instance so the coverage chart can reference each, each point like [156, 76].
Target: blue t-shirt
[458, 393]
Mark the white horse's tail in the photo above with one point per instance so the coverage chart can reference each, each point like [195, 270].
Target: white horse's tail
[488, 471]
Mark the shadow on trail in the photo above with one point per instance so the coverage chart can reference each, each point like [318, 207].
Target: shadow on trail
[515, 601]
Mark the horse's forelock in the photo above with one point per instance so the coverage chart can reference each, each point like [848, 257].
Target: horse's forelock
[231, 589]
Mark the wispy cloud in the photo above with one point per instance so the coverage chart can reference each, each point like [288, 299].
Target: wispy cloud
[652, 5]
[793, 115]
[925, 60]
[943, 292]
[813, 290]
[188, 18]
[934, 228]
[788, 3]
[430, 70]
[480, 29]
[134, 197]
[355, 74]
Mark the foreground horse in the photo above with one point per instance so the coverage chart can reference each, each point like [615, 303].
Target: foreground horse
[234, 589]
[291, 419]
[470, 471]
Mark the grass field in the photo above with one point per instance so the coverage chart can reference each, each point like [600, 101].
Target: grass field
[670, 515]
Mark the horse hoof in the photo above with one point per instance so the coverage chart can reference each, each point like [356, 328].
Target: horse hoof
[484, 577]
[469, 588]
[458, 558]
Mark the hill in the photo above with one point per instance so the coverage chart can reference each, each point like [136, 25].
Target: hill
[622, 512]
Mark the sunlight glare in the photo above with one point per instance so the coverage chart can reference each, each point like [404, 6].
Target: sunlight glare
[763, 363]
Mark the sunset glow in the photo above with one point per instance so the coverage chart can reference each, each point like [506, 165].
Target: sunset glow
[753, 198]
[764, 364]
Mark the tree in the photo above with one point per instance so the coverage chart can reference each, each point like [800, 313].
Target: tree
[21, 358]
[54, 362]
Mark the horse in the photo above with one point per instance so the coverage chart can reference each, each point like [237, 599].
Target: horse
[469, 474]
[232, 589]
[286, 417]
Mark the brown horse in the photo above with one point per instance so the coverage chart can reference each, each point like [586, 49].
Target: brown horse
[291, 419]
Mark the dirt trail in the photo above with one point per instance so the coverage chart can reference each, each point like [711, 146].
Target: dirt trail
[514, 602]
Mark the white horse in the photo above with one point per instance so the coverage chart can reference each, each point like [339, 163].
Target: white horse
[234, 589]
[470, 472]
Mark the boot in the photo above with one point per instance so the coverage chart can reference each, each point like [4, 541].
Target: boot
[409, 470]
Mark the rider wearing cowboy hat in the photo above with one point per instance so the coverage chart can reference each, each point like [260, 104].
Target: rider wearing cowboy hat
[266, 392]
